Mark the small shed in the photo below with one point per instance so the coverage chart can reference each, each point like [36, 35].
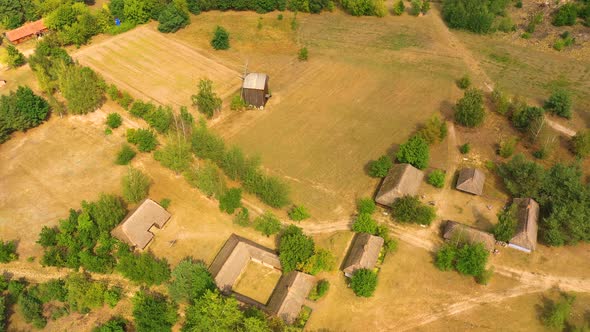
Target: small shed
[364, 253]
[26, 31]
[527, 214]
[290, 294]
[255, 89]
[135, 229]
[471, 180]
[402, 179]
[454, 231]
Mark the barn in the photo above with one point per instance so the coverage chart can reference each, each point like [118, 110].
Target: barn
[26, 31]
[471, 180]
[255, 89]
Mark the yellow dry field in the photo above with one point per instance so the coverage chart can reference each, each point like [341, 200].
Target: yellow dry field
[149, 65]
[257, 282]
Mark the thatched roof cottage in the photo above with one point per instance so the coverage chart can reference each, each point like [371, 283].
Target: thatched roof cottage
[527, 214]
[454, 231]
[402, 179]
[135, 228]
[471, 180]
[363, 254]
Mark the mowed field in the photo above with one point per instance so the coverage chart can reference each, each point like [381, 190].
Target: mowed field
[149, 65]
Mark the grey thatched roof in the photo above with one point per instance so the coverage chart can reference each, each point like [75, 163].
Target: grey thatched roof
[233, 258]
[471, 180]
[290, 294]
[135, 229]
[256, 81]
[466, 234]
[363, 254]
[402, 179]
[527, 214]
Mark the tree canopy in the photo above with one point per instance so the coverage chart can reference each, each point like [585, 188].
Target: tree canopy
[190, 280]
[364, 282]
[415, 152]
[469, 110]
[295, 248]
[409, 209]
[152, 311]
[82, 88]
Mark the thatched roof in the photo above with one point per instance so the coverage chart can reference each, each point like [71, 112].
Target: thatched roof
[256, 81]
[26, 30]
[527, 214]
[471, 180]
[233, 258]
[402, 179]
[290, 294]
[465, 234]
[135, 229]
[363, 254]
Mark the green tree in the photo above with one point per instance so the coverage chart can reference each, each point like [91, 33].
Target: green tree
[364, 224]
[190, 280]
[416, 7]
[506, 227]
[242, 218]
[14, 57]
[136, 185]
[125, 155]
[581, 144]
[464, 82]
[364, 7]
[206, 100]
[476, 16]
[409, 209]
[364, 282]
[522, 178]
[560, 103]
[114, 120]
[268, 224]
[321, 260]
[469, 110]
[436, 178]
[136, 11]
[566, 15]
[507, 147]
[152, 311]
[48, 236]
[472, 259]
[143, 268]
[365, 205]
[213, 312]
[319, 290]
[22, 110]
[31, 309]
[445, 257]
[176, 154]
[434, 131]
[230, 200]
[500, 102]
[83, 293]
[524, 117]
[173, 18]
[380, 167]
[220, 39]
[415, 152]
[298, 213]
[82, 88]
[295, 248]
[116, 324]
[399, 8]
[8, 251]
[557, 313]
[145, 139]
[425, 7]
[207, 145]
[207, 178]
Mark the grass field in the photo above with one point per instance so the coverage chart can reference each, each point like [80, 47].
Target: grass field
[257, 282]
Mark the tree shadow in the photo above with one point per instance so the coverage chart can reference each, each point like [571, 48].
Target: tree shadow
[447, 110]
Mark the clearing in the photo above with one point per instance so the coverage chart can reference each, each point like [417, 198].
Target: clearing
[257, 282]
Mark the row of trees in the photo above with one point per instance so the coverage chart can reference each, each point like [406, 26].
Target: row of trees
[477, 16]
[21, 110]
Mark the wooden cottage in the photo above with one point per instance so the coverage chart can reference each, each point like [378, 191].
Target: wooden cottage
[402, 179]
[454, 231]
[471, 180]
[527, 214]
[255, 89]
[289, 295]
[135, 229]
[364, 253]
[27, 31]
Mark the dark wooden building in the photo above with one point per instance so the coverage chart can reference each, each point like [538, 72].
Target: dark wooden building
[255, 89]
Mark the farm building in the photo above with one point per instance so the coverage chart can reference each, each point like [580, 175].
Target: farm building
[527, 214]
[135, 229]
[28, 30]
[471, 180]
[454, 231]
[255, 89]
[233, 258]
[402, 179]
[290, 294]
[364, 253]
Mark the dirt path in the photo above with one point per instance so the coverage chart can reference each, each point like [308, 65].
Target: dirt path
[560, 128]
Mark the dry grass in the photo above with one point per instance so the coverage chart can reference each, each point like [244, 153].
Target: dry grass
[257, 282]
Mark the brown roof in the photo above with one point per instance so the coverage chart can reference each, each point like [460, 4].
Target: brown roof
[463, 233]
[26, 30]
[135, 229]
[402, 179]
[256, 81]
[471, 180]
[290, 294]
[527, 214]
[234, 256]
[364, 253]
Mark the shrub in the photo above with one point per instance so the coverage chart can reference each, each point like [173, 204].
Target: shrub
[425, 6]
[319, 290]
[365, 205]
[505, 24]
[399, 8]
[410, 209]
[464, 82]
[206, 100]
[321, 260]
[113, 296]
[434, 131]
[471, 259]
[190, 280]
[176, 154]
[302, 55]
[230, 200]
[242, 218]
[14, 57]
[298, 213]
[208, 179]
[220, 39]
[172, 18]
[416, 8]
[32, 310]
[108, 131]
[295, 248]
[465, 148]
[581, 144]
[476, 16]
[153, 312]
[560, 103]
[125, 155]
[469, 110]
[8, 251]
[436, 178]
[114, 120]
[364, 282]
[145, 139]
[500, 102]
[364, 224]
[165, 203]
[414, 151]
[507, 147]
[364, 7]
[524, 118]
[380, 167]
[136, 186]
[268, 224]
[143, 268]
[116, 324]
[159, 118]
[557, 313]
[445, 257]
[485, 276]
[82, 88]
[506, 227]
[237, 103]
[566, 15]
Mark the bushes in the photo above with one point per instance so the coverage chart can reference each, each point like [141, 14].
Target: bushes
[365, 205]
[136, 185]
[319, 290]
[560, 103]
[556, 313]
[125, 155]
[123, 98]
[242, 218]
[414, 152]
[436, 178]
[21, 110]
[566, 15]
[525, 118]
[465, 148]
[230, 200]
[176, 154]
[506, 227]
[410, 209]
[295, 248]
[364, 224]
[14, 57]
[153, 312]
[143, 268]
[145, 139]
[467, 259]
[581, 144]
[237, 103]
[476, 16]
[206, 100]
[8, 251]
[364, 282]
[82, 88]
[434, 131]
[172, 18]
[190, 280]
[207, 178]
[298, 213]
[364, 7]
[302, 55]
[268, 224]
[507, 147]
[220, 39]
[464, 82]
[469, 110]
[380, 167]
[114, 120]
[500, 102]
[399, 8]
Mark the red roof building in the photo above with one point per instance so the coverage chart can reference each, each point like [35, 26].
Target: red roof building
[26, 31]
